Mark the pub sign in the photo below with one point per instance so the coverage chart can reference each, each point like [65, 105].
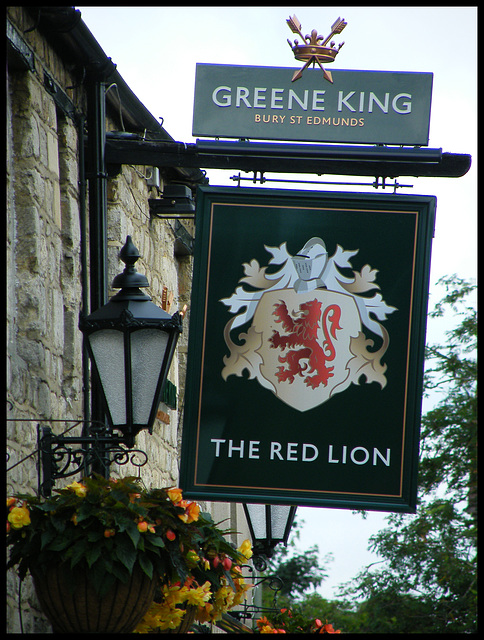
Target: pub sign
[306, 345]
[375, 107]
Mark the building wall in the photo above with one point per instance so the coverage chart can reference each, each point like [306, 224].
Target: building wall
[45, 210]
[43, 280]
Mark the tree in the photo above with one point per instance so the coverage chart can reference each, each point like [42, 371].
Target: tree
[298, 571]
[301, 574]
[428, 582]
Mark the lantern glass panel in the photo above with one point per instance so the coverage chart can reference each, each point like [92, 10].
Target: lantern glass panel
[108, 349]
[279, 518]
[148, 349]
[257, 515]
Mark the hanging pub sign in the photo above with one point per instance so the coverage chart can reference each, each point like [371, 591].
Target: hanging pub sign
[306, 347]
[372, 107]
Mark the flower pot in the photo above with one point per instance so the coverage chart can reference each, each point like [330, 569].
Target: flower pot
[83, 611]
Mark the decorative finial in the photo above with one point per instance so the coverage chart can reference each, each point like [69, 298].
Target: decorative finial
[313, 48]
[130, 281]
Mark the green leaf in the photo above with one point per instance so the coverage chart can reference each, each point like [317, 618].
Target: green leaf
[58, 544]
[156, 541]
[120, 572]
[125, 551]
[92, 554]
[133, 532]
[146, 565]
[95, 536]
[78, 551]
[46, 537]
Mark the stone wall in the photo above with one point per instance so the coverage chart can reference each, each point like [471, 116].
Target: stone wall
[45, 291]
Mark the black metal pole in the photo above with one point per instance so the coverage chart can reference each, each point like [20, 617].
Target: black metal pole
[97, 176]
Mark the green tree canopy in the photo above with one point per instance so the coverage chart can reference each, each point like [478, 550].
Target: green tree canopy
[427, 582]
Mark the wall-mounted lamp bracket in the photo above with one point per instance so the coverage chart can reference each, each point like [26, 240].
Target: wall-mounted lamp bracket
[65, 456]
[176, 202]
[251, 611]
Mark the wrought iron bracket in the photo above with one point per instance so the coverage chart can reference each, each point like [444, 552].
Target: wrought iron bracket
[65, 456]
[250, 611]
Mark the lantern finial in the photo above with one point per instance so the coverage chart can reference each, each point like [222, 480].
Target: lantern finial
[130, 280]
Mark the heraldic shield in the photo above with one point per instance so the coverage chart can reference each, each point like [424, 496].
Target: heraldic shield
[306, 340]
[305, 344]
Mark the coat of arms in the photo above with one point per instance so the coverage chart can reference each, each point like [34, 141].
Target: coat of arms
[306, 341]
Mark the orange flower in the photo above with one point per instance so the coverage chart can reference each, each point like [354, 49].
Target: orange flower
[175, 495]
[170, 534]
[192, 511]
[11, 502]
[109, 533]
[263, 621]
[142, 526]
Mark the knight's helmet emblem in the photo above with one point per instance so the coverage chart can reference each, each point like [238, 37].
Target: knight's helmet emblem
[307, 339]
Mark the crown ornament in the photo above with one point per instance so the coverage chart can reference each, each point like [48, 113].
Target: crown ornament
[313, 49]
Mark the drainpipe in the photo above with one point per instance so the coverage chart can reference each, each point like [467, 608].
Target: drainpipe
[97, 177]
[96, 126]
[81, 121]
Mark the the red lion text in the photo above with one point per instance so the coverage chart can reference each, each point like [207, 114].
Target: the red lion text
[303, 332]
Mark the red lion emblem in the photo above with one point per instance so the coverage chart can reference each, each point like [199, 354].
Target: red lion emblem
[303, 332]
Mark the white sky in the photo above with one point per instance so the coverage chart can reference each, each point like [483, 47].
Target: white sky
[156, 50]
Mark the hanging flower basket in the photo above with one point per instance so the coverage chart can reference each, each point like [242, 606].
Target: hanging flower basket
[82, 611]
[97, 549]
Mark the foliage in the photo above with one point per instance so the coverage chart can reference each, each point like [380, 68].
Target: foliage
[299, 573]
[449, 431]
[106, 527]
[298, 610]
[292, 621]
[429, 578]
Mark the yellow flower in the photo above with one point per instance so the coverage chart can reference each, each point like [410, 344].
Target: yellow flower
[19, 517]
[241, 589]
[157, 618]
[79, 489]
[174, 618]
[200, 595]
[174, 594]
[246, 549]
[224, 599]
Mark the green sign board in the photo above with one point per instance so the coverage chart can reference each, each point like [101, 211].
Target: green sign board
[375, 107]
[306, 346]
